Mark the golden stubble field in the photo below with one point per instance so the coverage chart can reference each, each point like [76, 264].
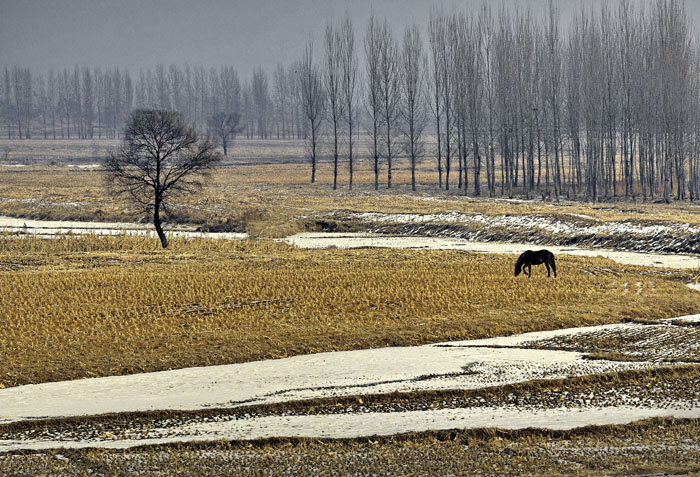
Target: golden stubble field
[264, 188]
[76, 307]
[96, 306]
[275, 200]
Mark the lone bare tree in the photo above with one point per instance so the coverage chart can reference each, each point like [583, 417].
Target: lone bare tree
[160, 157]
[225, 126]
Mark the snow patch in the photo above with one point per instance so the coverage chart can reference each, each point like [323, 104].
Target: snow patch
[361, 240]
[367, 424]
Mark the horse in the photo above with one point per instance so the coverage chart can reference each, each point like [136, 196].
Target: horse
[530, 258]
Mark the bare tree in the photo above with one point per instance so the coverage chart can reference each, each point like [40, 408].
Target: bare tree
[413, 111]
[332, 80]
[159, 158]
[389, 95]
[280, 99]
[312, 101]
[261, 101]
[435, 32]
[88, 100]
[7, 103]
[488, 37]
[349, 69]
[225, 126]
[373, 103]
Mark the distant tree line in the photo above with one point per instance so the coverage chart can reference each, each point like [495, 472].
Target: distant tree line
[88, 103]
[605, 105]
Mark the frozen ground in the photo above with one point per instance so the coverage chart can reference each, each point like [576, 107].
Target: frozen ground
[575, 225]
[49, 228]
[476, 364]
[355, 425]
[472, 364]
[45, 228]
[360, 240]
[535, 229]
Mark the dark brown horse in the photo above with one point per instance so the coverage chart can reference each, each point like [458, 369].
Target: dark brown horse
[530, 258]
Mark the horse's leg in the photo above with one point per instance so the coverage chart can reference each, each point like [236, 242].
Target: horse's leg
[554, 267]
[547, 265]
[529, 270]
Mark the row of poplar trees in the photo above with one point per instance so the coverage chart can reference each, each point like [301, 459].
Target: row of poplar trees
[606, 104]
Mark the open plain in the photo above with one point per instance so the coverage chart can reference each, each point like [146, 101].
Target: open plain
[271, 356]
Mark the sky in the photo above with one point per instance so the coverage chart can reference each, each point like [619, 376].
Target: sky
[54, 34]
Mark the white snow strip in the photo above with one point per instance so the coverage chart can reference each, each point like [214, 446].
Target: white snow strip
[367, 424]
[47, 228]
[687, 318]
[14, 222]
[400, 369]
[522, 339]
[50, 228]
[550, 224]
[455, 365]
[694, 286]
[360, 240]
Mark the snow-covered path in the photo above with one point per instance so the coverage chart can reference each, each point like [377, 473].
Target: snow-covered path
[338, 426]
[456, 365]
[460, 365]
[50, 228]
[45, 228]
[360, 240]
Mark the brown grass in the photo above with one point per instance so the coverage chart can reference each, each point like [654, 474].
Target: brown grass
[78, 307]
[275, 199]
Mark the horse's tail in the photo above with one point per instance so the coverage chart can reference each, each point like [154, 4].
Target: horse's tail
[519, 265]
[551, 263]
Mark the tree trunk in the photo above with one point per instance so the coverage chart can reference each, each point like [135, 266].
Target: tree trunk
[157, 225]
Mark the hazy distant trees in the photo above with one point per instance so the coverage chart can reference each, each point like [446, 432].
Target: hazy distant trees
[389, 96]
[17, 102]
[262, 105]
[160, 157]
[372, 45]
[225, 127]
[605, 104]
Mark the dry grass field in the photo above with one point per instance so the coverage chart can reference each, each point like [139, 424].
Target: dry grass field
[96, 306]
[275, 200]
[75, 307]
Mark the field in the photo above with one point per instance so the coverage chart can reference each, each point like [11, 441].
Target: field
[77, 307]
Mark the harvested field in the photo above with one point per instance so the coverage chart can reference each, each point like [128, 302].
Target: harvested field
[260, 200]
[464, 402]
[100, 306]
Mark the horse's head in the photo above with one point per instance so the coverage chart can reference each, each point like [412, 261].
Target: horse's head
[518, 267]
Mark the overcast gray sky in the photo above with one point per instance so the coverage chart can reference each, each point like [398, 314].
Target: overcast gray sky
[46, 34]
